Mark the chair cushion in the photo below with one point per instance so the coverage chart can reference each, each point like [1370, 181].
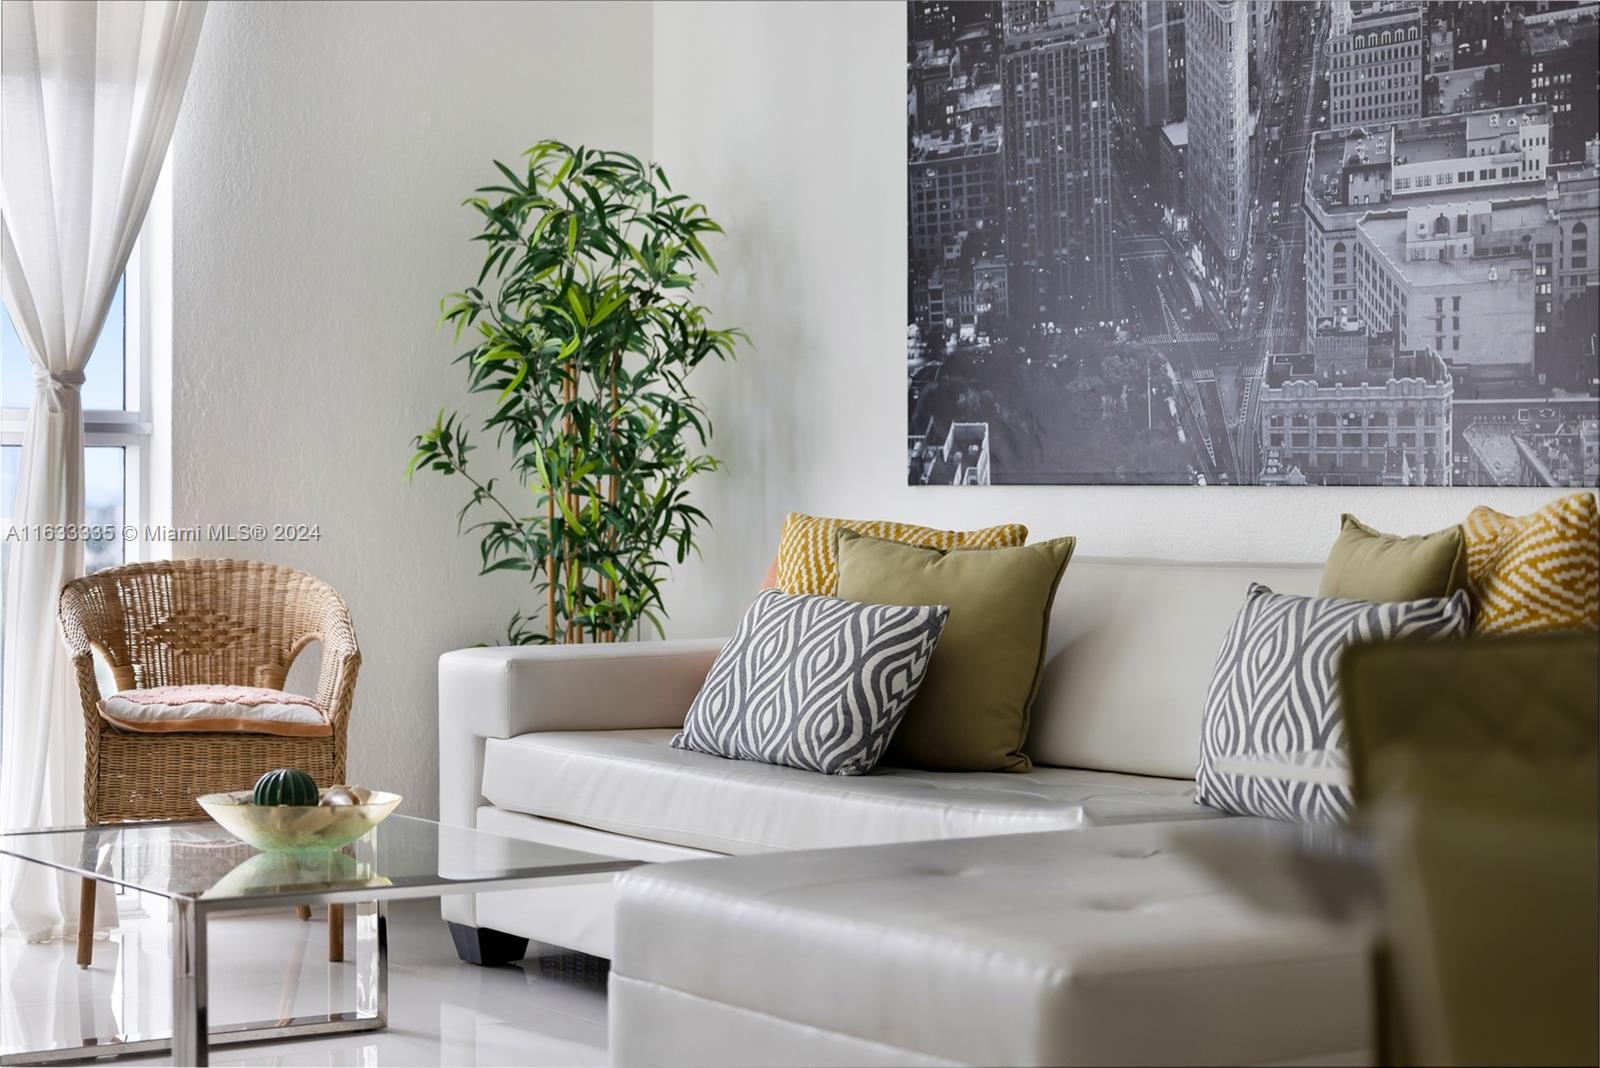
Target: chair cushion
[220, 709]
[633, 783]
[1100, 946]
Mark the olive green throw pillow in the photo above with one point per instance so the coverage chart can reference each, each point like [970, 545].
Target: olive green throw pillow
[1368, 565]
[971, 713]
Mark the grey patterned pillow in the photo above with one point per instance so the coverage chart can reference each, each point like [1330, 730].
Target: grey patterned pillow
[1275, 690]
[813, 682]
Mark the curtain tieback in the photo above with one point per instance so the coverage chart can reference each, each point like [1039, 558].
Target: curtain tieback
[58, 385]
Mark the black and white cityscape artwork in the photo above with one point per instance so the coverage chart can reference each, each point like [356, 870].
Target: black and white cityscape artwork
[1227, 242]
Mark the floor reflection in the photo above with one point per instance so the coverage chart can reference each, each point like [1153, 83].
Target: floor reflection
[550, 1011]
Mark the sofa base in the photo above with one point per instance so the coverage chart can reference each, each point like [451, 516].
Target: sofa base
[667, 1028]
[486, 947]
[672, 1025]
[569, 913]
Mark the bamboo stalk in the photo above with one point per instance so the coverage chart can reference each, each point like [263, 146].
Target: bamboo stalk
[550, 566]
[569, 393]
[611, 480]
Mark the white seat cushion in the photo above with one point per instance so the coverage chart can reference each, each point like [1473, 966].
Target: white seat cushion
[1099, 946]
[633, 783]
[213, 709]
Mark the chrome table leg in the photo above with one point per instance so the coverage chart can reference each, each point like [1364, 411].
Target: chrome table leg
[372, 961]
[189, 1022]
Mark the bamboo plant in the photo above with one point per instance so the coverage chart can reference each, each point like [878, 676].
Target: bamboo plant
[585, 328]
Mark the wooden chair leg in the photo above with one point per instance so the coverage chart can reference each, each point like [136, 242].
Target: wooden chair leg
[86, 923]
[336, 933]
[303, 911]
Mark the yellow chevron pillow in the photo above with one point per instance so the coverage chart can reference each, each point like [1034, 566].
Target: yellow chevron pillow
[1535, 572]
[808, 557]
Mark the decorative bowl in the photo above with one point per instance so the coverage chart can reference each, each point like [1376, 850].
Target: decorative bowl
[297, 828]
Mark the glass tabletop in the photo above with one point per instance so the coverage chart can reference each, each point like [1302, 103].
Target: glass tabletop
[402, 857]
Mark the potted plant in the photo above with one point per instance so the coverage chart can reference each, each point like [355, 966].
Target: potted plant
[585, 328]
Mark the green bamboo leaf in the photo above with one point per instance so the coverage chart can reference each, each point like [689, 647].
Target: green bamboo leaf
[566, 169]
[605, 310]
[694, 243]
[516, 182]
[520, 377]
[569, 515]
[579, 306]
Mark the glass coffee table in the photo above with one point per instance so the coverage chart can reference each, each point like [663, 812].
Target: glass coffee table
[201, 870]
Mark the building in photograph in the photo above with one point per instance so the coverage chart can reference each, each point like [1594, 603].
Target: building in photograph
[1573, 266]
[1527, 441]
[1441, 55]
[1560, 58]
[960, 458]
[1355, 410]
[954, 188]
[1217, 178]
[1150, 46]
[1458, 277]
[1374, 64]
[1488, 155]
[1056, 103]
[1173, 159]
[1266, 28]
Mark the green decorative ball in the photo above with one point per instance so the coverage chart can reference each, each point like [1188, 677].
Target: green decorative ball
[285, 786]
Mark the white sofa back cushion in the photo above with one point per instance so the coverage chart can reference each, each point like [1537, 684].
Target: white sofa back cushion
[1132, 647]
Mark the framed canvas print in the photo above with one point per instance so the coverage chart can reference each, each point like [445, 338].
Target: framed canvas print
[1228, 243]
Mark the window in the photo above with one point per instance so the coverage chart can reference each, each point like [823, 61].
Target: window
[120, 401]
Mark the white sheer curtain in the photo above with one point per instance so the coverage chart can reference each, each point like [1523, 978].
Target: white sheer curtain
[89, 94]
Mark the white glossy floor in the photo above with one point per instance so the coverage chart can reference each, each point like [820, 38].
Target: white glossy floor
[549, 1011]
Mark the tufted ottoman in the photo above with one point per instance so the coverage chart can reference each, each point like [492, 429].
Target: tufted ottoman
[1094, 946]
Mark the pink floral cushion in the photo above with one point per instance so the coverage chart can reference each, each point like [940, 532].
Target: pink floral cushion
[242, 709]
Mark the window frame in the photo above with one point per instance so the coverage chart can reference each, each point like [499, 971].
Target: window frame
[140, 428]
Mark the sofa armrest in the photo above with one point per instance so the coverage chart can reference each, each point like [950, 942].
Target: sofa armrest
[506, 691]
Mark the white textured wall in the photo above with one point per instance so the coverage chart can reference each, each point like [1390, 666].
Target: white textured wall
[322, 154]
[792, 130]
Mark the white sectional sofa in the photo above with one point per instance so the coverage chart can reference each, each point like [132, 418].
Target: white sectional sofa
[960, 900]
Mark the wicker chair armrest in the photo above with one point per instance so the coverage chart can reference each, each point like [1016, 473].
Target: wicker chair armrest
[341, 659]
[76, 626]
[88, 690]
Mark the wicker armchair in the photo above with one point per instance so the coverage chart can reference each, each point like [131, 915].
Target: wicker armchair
[193, 622]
